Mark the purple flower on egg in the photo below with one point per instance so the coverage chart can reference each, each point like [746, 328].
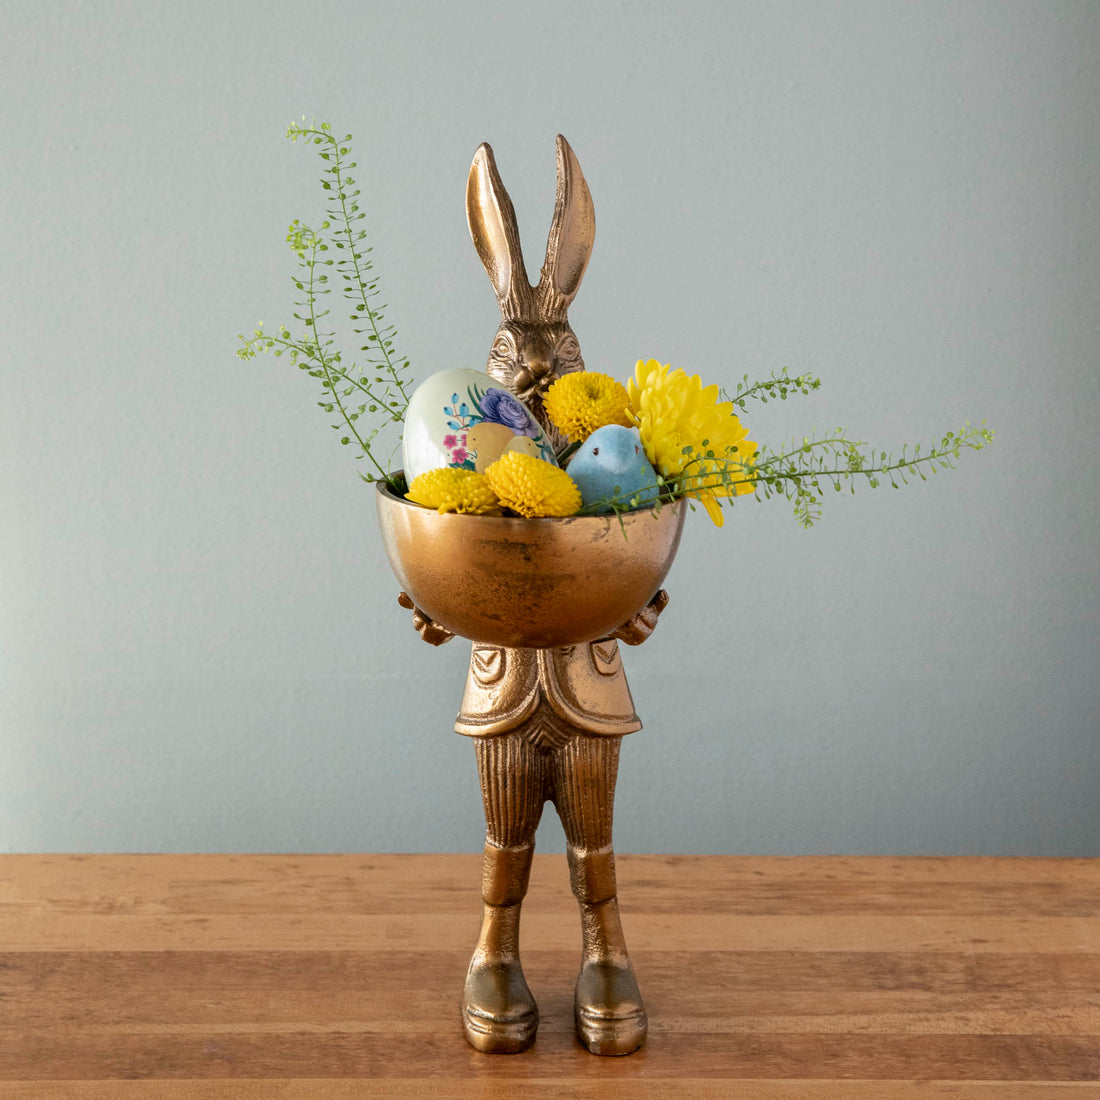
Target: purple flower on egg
[500, 407]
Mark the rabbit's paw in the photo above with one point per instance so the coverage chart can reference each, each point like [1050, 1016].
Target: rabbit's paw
[428, 629]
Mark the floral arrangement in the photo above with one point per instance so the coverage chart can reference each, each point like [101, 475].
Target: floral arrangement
[694, 444]
[694, 447]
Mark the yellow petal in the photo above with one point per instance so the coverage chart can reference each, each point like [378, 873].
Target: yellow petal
[714, 509]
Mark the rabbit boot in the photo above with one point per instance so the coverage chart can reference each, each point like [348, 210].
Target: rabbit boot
[607, 1006]
[499, 1014]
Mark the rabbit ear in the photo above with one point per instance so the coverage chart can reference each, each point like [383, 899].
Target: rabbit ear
[572, 232]
[492, 220]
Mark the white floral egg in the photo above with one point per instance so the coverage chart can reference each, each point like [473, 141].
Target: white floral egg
[466, 419]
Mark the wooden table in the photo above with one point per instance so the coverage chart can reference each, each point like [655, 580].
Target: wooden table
[317, 977]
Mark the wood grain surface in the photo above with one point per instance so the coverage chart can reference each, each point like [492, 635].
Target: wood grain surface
[301, 977]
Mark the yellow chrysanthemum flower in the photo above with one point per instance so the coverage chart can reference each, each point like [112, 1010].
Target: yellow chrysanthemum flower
[583, 401]
[532, 487]
[451, 490]
[691, 437]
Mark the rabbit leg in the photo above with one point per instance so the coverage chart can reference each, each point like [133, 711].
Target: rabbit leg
[607, 1005]
[499, 1014]
[498, 1011]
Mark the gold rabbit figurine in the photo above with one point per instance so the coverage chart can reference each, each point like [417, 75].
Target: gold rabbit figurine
[546, 723]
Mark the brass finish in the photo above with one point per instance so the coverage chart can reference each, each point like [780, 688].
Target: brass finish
[607, 1006]
[534, 344]
[528, 582]
[591, 875]
[579, 687]
[545, 602]
[499, 1015]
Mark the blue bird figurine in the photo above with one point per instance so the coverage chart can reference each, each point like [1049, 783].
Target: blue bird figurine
[611, 463]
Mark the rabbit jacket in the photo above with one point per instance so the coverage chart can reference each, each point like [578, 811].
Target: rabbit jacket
[584, 685]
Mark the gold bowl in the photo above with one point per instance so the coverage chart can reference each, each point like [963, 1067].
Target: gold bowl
[529, 583]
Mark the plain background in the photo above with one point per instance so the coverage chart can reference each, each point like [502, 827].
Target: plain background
[200, 647]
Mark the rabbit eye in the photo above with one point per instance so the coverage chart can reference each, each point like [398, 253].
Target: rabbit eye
[635, 448]
[568, 350]
[595, 450]
[503, 346]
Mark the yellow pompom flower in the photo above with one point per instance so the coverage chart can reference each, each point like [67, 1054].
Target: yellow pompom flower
[533, 487]
[693, 440]
[451, 490]
[583, 401]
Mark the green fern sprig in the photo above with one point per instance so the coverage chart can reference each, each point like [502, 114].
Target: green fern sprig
[809, 467]
[803, 472]
[373, 389]
[778, 385]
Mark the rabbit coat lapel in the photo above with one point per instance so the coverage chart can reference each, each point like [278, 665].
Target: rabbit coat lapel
[584, 684]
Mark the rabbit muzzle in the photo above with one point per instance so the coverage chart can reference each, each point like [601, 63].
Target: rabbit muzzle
[533, 378]
[528, 358]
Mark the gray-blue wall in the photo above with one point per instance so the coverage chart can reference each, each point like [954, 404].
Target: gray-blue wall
[200, 647]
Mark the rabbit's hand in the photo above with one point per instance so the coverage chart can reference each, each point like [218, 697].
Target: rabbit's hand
[644, 623]
[429, 630]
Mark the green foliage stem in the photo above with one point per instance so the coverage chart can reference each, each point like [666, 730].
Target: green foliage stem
[778, 385]
[371, 394]
[803, 472]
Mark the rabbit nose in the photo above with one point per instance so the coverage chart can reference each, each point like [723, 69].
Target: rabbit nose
[533, 377]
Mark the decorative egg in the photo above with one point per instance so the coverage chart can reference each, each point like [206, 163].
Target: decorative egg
[466, 419]
[612, 463]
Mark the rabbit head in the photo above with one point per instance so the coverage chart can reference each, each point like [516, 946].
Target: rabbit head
[534, 344]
